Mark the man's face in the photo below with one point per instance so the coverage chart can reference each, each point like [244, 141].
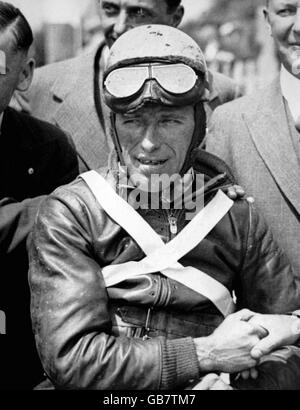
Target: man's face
[119, 16]
[283, 16]
[11, 68]
[155, 139]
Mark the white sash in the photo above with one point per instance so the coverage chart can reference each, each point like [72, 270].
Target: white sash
[163, 257]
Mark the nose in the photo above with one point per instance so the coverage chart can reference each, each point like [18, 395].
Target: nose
[122, 24]
[296, 27]
[151, 141]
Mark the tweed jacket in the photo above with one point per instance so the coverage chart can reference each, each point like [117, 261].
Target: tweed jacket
[255, 137]
[63, 94]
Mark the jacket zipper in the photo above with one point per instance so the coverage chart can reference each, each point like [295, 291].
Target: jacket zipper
[173, 225]
[173, 218]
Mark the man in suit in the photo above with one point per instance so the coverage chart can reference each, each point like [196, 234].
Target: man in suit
[258, 137]
[36, 157]
[67, 93]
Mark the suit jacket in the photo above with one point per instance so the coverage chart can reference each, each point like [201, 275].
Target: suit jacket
[255, 137]
[36, 157]
[63, 94]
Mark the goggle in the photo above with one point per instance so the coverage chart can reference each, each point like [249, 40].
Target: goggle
[127, 81]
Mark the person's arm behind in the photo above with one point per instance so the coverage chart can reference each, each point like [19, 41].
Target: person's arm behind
[269, 285]
[16, 221]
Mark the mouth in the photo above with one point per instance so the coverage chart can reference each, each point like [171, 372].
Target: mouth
[295, 46]
[152, 162]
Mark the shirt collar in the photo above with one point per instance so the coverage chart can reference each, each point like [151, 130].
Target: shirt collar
[290, 87]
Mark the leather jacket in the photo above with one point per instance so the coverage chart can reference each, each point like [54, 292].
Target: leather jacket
[90, 337]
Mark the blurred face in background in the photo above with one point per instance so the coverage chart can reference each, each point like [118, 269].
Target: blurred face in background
[283, 17]
[119, 16]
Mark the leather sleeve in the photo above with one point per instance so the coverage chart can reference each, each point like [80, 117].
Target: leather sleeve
[268, 283]
[70, 314]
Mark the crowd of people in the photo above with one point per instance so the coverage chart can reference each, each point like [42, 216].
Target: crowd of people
[107, 281]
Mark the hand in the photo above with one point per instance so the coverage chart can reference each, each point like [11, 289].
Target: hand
[212, 382]
[282, 330]
[235, 192]
[248, 374]
[228, 349]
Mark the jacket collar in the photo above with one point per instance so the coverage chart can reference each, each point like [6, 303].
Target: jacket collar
[213, 90]
[80, 75]
[69, 94]
[269, 124]
[216, 175]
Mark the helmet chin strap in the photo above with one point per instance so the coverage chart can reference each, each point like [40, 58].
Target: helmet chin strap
[115, 139]
[197, 138]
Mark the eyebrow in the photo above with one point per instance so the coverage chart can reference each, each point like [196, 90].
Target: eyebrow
[130, 7]
[285, 4]
[141, 6]
[175, 112]
[110, 3]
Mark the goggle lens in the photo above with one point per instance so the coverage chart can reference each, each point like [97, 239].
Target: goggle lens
[176, 79]
[127, 81]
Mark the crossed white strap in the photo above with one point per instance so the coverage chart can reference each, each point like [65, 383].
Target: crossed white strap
[163, 257]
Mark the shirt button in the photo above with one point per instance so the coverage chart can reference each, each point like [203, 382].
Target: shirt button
[30, 171]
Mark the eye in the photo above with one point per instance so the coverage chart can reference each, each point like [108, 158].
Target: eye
[110, 9]
[286, 12]
[170, 121]
[131, 121]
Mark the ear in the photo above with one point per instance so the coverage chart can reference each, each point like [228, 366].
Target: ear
[267, 20]
[26, 74]
[177, 16]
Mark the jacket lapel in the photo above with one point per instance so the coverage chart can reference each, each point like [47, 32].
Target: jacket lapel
[77, 96]
[213, 90]
[269, 129]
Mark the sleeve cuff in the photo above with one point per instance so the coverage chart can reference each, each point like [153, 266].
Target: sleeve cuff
[180, 366]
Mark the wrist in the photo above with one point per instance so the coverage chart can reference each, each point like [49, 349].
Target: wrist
[206, 358]
[295, 327]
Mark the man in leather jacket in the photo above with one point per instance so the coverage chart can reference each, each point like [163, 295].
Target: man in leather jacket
[131, 296]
